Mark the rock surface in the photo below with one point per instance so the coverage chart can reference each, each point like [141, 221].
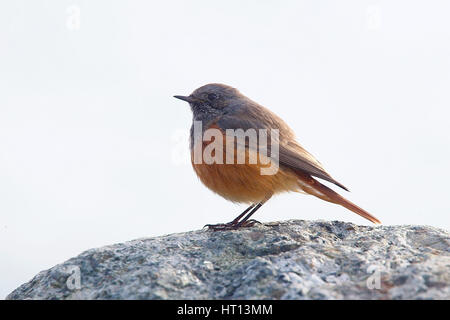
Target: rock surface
[282, 260]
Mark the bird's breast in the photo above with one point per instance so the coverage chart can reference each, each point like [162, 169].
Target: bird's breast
[237, 180]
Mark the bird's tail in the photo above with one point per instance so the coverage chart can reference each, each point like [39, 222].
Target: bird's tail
[314, 187]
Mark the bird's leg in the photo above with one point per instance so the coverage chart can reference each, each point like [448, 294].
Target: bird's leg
[238, 223]
[248, 223]
[231, 224]
[236, 220]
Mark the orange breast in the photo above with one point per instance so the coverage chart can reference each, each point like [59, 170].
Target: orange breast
[244, 182]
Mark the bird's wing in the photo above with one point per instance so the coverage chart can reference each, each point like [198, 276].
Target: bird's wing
[298, 158]
[291, 154]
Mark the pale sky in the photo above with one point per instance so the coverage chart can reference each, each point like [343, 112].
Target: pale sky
[94, 149]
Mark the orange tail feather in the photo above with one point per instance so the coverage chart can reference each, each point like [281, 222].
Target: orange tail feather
[314, 187]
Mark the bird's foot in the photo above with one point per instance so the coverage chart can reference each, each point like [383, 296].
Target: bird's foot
[233, 225]
[250, 223]
[220, 226]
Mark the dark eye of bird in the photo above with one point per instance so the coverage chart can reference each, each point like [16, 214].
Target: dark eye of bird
[212, 96]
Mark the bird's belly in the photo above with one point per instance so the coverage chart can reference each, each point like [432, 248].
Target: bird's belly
[244, 182]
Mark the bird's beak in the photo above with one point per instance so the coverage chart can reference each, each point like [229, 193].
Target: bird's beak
[185, 98]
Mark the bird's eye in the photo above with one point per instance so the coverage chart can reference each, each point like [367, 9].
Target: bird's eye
[212, 96]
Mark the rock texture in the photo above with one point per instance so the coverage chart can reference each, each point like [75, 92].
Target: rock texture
[281, 260]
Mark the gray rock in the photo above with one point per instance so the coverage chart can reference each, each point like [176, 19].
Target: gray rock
[283, 260]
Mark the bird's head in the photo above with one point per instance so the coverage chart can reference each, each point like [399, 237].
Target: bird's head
[211, 100]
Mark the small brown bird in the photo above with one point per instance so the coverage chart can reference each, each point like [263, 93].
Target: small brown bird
[222, 108]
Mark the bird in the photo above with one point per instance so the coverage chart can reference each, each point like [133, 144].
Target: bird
[225, 109]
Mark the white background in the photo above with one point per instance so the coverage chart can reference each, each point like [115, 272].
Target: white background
[94, 150]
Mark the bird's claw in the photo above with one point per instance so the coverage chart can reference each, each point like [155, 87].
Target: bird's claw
[231, 225]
